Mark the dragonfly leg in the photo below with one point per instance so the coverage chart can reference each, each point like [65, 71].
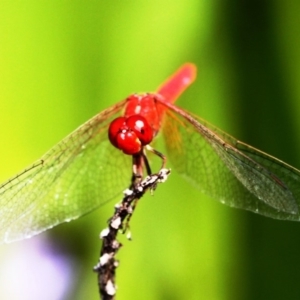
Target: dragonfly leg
[146, 163]
[137, 169]
[139, 161]
[163, 158]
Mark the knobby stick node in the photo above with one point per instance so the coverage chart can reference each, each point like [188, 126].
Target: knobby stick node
[106, 267]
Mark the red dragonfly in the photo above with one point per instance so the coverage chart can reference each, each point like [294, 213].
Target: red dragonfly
[85, 171]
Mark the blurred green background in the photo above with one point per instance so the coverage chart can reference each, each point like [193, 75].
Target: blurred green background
[62, 62]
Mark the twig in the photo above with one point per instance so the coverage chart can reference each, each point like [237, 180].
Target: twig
[106, 267]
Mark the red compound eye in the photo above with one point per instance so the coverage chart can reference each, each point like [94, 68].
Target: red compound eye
[141, 127]
[115, 128]
[130, 134]
[128, 142]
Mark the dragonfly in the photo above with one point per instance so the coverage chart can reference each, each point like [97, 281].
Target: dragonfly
[94, 164]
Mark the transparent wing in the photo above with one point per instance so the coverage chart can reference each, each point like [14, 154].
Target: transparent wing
[228, 170]
[76, 176]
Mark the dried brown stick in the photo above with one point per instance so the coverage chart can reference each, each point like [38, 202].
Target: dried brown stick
[106, 267]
